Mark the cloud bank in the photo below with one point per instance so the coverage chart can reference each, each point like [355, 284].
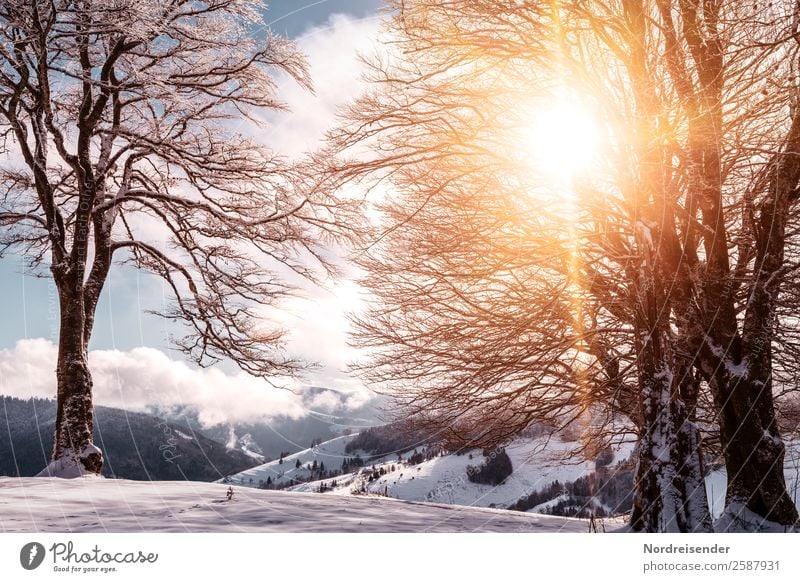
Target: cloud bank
[143, 378]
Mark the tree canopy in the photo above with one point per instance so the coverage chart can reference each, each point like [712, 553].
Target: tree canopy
[516, 279]
[120, 147]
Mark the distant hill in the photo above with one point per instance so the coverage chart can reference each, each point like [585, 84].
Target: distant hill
[268, 439]
[344, 455]
[395, 438]
[318, 462]
[136, 446]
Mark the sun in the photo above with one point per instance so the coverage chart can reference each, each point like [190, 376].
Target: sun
[559, 139]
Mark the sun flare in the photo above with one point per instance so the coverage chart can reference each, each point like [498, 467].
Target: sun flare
[560, 139]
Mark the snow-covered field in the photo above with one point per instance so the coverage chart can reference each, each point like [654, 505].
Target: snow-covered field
[88, 504]
[92, 504]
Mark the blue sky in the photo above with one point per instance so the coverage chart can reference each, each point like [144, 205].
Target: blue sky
[29, 309]
[293, 17]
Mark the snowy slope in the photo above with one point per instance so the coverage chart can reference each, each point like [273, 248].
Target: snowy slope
[537, 462]
[248, 446]
[106, 505]
[330, 452]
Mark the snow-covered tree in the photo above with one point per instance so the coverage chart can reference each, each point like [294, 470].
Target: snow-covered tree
[652, 290]
[119, 147]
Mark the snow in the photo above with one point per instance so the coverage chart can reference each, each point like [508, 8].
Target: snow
[738, 518]
[249, 447]
[110, 505]
[68, 465]
[245, 444]
[740, 370]
[330, 452]
[716, 482]
[537, 462]
[92, 504]
[182, 435]
[547, 505]
[252, 454]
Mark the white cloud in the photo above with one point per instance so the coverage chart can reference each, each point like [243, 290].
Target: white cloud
[316, 321]
[318, 330]
[145, 377]
[333, 52]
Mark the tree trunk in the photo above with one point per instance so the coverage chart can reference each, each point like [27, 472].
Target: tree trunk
[741, 379]
[754, 453]
[669, 487]
[74, 452]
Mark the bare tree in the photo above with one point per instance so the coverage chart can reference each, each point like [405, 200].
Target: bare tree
[117, 122]
[653, 293]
